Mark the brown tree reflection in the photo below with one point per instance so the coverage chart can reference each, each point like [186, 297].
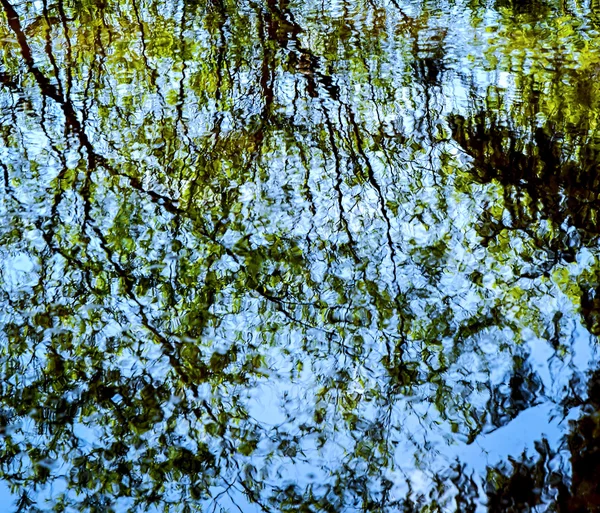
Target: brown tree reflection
[281, 256]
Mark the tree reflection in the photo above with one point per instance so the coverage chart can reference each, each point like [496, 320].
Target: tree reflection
[244, 262]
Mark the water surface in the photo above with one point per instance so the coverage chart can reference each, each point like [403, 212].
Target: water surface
[279, 256]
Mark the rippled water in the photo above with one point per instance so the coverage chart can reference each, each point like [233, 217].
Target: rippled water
[278, 256]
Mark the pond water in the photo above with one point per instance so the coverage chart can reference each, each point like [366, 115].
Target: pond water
[299, 256]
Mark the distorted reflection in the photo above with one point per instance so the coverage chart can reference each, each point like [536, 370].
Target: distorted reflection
[282, 256]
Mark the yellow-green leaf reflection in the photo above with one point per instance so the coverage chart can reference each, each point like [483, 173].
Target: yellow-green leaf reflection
[299, 256]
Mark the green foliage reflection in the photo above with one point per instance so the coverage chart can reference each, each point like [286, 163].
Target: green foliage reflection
[278, 255]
